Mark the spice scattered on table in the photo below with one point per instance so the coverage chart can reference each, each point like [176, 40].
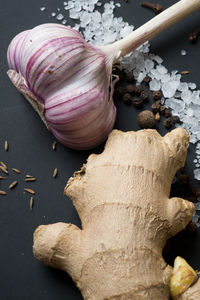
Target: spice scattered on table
[2, 192]
[3, 165]
[31, 203]
[4, 170]
[156, 106]
[30, 179]
[30, 191]
[29, 176]
[157, 95]
[157, 8]
[167, 123]
[16, 170]
[157, 116]
[6, 145]
[54, 145]
[146, 119]
[137, 102]
[144, 96]
[184, 72]
[55, 173]
[13, 184]
[127, 98]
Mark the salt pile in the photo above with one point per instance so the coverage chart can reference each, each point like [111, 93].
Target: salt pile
[104, 28]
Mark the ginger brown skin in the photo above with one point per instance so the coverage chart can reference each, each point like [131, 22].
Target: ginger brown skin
[122, 198]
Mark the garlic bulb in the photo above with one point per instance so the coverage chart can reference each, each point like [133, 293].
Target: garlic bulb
[68, 81]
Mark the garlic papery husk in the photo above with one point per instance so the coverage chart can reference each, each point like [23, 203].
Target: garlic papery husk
[67, 81]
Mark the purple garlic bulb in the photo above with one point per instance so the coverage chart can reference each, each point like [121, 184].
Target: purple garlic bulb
[67, 81]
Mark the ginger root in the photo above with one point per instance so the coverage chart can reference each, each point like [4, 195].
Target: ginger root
[122, 198]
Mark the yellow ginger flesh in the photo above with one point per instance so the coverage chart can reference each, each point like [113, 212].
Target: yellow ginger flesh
[122, 198]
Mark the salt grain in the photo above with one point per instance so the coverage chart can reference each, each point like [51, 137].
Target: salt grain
[43, 8]
[59, 17]
[154, 85]
[183, 52]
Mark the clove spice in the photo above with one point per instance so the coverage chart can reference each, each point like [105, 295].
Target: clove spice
[157, 8]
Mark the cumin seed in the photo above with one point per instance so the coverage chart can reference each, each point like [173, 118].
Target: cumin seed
[54, 145]
[185, 72]
[30, 179]
[3, 177]
[16, 170]
[4, 170]
[29, 176]
[6, 145]
[3, 165]
[31, 203]
[55, 173]
[2, 192]
[30, 191]
[13, 184]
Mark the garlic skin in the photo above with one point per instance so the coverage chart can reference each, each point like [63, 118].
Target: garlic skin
[67, 81]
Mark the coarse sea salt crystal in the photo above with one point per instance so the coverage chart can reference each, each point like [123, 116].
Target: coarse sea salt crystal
[158, 59]
[183, 86]
[149, 64]
[169, 88]
[192, 86]
[74, 14]
[59, 17]
[161, 69]
[186, 96]
[43, 8]
[183, 52]
[154, 85]
[197, 174]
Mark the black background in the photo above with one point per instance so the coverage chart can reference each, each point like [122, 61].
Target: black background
[21, 275]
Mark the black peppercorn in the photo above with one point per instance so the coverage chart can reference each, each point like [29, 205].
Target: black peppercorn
[144, 96]
[167, 123]
[146, 119]
[168, 113]
[138, 90]
[157, 95]
[175, 119]
[156, 106]
[162, 109]
[130, 88]
[137, 102]
[147, 79]
[127, 98]
[130, 76]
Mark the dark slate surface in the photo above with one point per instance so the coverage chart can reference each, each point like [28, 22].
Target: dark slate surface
[22, 276]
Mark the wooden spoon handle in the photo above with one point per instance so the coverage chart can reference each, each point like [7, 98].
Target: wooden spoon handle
[153, 27]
